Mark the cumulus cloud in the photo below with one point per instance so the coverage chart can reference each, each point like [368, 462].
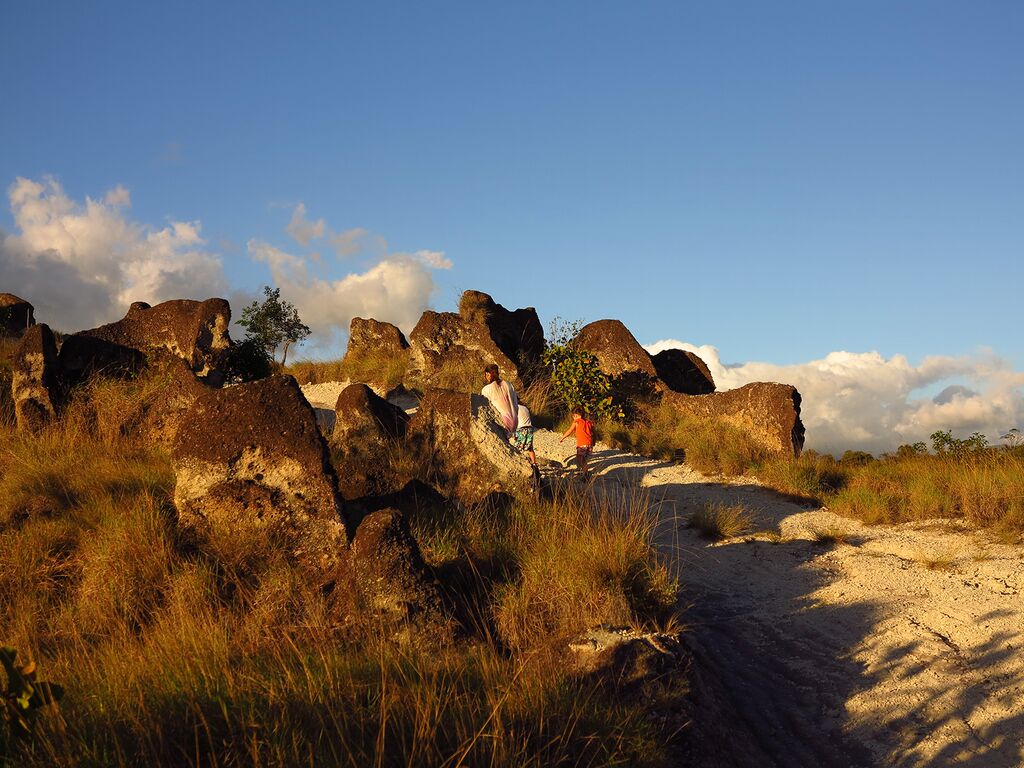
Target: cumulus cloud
[868, 402]
[397, 288]
[82, 264]
[301, 229]
[349, 242]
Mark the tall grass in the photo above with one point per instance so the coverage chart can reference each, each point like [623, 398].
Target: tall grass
[173, 655]
[367, 367]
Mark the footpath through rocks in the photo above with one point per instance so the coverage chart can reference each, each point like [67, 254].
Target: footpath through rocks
[836, 643]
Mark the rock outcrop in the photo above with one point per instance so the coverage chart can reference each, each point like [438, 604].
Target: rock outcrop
[684, 372]
[383, 577]
[769, 413]
[367, 336]
[250, 460]
[621, 358]
[450, 350]
[517, 333]
[16, 315]
[178, 388]
[35, 379]
[195, 331]
[366, 429]
[470, 450]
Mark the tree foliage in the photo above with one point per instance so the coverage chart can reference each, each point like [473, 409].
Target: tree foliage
[273, 322]
[575, 375]
[943, 442]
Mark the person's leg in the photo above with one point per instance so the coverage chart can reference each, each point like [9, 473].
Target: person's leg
[533, 456]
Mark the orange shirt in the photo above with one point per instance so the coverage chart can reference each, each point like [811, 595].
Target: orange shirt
[584, 429]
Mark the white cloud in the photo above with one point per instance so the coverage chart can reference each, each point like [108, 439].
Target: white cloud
[397, 289]
[434, 259]
[82, 264]
[301, 229]
[866, 401]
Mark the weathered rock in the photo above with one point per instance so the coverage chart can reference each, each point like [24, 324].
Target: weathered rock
[448, 352]
[16, 315]
[518, 333]
[383, 577]
[35, 379]
[82, 356]
[374, 336]
[684, 372]
[470, 449]
[178, 390]
[366, 428]
[195, 331]
[768, 412]
[262, 440]
[621, 358]
[616, 349]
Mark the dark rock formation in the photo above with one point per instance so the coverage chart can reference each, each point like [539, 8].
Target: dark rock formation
[195, 331]
[683, 372]
[518, 334]
[450, 350]
[35, 379]
[373, 336]
[383, 577]
[621, 358]
[366, 428]
[16, 315]
[177, 390]
[82, 356]
[253, 450]
[469, 451]
[769, 413]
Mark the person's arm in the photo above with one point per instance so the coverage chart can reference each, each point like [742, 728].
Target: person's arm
[569, 431]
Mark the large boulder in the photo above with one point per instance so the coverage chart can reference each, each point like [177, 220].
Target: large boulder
[35, 379]
[195, 331]
[250, 459]
[448, 352]
[621, 358]
[366, 429]
[518, 333]
[768, 412]
[366, 335]
[16, 315]
[470, 451]
[384, 580]
[175, 389]
[684, 372]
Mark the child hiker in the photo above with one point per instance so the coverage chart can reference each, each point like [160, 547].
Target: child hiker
[584, 430]
[524, 434]
[502, 397]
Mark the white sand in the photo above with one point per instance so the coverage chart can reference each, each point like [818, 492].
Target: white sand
[844, 654]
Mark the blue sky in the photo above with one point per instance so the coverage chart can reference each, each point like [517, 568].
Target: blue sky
[779, 180]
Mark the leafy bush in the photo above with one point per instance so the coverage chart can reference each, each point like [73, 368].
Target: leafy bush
[576, 377]
[248, 360]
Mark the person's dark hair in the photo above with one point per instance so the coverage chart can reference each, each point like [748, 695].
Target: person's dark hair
[577, 410]
[491, 369]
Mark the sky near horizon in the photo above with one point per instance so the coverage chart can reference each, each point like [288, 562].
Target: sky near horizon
[836, 190]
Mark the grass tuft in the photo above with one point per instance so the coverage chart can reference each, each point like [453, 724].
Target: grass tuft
[722, 521]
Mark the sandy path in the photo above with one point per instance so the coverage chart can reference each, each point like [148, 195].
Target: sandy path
[844, 653]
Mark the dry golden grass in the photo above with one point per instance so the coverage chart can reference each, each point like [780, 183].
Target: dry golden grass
[367, 367]
[176, 656]
[722, 521]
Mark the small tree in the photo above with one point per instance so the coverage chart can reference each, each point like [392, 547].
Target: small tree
[273, 322]
[575, 375]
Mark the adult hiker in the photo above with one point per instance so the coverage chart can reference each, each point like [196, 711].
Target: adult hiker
[502, 397]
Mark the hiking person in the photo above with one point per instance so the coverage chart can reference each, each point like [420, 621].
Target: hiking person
[524, 434]
[502, 397]
[583, 428]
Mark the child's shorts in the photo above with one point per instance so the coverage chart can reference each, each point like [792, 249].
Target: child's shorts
[524, 439]
[583, 451]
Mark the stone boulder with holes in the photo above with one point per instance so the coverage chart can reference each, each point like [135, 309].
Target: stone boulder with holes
[367, 429]
[450, 350]
[384, 580]
[682, 371]
[769, 413]
[16, 315]
[249, 460]
[518, 333]
[469, 450]
[35, 379]
[195, 331]
[366, 335]
[176, 388]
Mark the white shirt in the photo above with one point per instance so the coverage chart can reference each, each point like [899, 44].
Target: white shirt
[525, 420]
